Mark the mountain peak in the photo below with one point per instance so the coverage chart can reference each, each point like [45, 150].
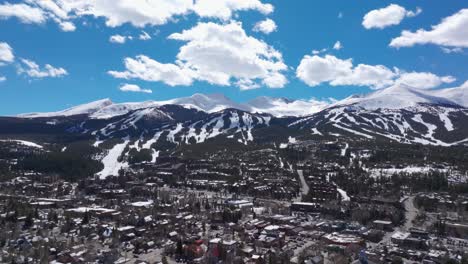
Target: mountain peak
[88, 109]
[458, 94]
[398, 96]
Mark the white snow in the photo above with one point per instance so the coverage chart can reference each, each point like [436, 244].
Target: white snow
[77, 110]
[458, 95]
[399, 96]
[316, 132]
[353, 131]
[97, 143]
[387, 172]
[343, 151]
[110, 161]
[344, 195]
[23, 142]
[143, 203]
[171, 136]
[150, 142]
[444, 117]
[211, 103]
[430, 127]
[154, 156]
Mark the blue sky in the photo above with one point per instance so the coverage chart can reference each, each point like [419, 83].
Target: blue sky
[81, 57]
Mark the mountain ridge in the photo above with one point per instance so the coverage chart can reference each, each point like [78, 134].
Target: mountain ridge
[395, 97]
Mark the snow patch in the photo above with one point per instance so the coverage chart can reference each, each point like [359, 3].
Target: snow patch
[111, 162]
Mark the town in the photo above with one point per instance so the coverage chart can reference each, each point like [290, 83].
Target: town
[313, 202]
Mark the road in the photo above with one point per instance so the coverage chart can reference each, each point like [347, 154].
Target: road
[410, 214]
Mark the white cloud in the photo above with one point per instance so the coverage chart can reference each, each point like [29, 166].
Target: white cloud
[32, 69]
[316, 52]
[452, 31]
[2, 78]
[266, 26]
[340, 15]
[315, 70]
[215, 53]
[37, 12]
[423, 80]
[147, 69]
[387, 16]
[67, 26]
[25, 13]
[56, 9]
[451, 50]
[139, 13]
[133, 88]
[337, 45]
[119, 39]
[144, 36]
[224, 9]
[6, 53]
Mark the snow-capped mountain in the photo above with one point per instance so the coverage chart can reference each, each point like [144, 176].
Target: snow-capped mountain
[104, 109]
[458, 95]
[399, 96]
[280, 107]
[399, 113]
[214, 123]
[84, 109]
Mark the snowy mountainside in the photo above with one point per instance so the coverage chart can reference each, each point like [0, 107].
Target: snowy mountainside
[420, 124]
[458, 95]
[84, 109]
[396, 97]
[119, 132]
[105, 109]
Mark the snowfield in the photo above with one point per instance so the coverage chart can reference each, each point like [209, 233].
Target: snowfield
[23, 142]
[111, 163]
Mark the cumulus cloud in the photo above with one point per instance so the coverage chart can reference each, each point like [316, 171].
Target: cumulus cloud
[451, 50]
[220, 54]
[224, 9]
[2, 78]
[316, 52]
[37, 12]
[423, 80]
[67, 26]
[387, 16]
[6, 53]
[139, 13]
[266, 26]
[452, 31]
[147, 69]
[133, 88]
[119, 39]
[144, 36]
[315, 70]
[25, 13]
[337, 45]
[32, 69]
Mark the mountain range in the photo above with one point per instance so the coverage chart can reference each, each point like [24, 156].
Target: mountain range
[398, 114]
[279, 107]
